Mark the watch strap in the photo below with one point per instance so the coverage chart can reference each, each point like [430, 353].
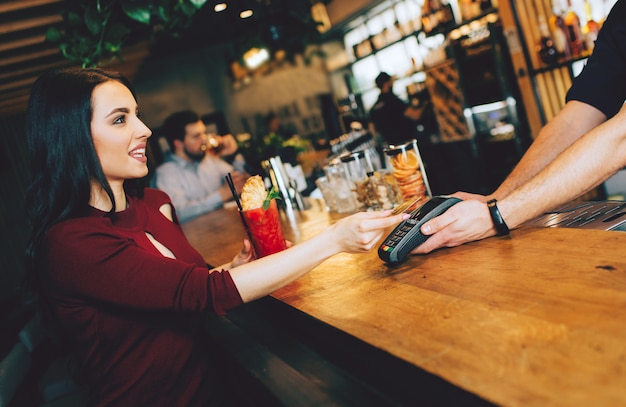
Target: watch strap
[501, 227]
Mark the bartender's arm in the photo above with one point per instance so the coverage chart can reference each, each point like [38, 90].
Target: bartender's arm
[582, 166]
[571, 123]
[414, 112]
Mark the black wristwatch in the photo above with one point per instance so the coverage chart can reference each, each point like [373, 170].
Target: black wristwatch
[501, 227]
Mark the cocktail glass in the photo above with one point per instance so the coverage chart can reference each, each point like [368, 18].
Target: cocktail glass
[265, 230]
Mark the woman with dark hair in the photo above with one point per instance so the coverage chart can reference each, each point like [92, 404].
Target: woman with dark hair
[113, 267]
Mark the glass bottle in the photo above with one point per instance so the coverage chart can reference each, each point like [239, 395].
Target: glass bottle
[546, 47]
[446, 14]
[559, 33]
[429, 21]
[575, 37]
[485, 5]
[591, 28]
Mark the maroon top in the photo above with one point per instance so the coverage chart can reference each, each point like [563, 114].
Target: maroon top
[132, 314]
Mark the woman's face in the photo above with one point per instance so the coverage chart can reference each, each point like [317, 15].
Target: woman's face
[119, 136]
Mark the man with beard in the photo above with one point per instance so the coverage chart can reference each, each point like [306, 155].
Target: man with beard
[193, 174]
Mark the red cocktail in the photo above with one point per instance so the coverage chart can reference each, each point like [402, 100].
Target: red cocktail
[265, 230]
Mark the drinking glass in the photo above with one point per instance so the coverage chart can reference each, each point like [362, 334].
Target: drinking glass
[265, 229]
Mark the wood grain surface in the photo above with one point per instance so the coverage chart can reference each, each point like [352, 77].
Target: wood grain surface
[537, 318]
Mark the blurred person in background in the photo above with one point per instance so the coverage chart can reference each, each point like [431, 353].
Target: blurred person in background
[193, 173]
[393, 119]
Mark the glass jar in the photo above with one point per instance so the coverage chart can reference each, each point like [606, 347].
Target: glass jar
[408, 171]
[383, 190]
[372, 187]
[357, 166]
[339, 188]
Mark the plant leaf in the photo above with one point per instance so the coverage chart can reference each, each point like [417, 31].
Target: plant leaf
[198, 3]
[273, 193]
[53, 35]
[116, 33]
[93, 20]
[187, 9]
[74, 19]
[137, 12]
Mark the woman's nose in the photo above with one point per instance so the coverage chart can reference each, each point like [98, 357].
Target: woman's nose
[143, 130]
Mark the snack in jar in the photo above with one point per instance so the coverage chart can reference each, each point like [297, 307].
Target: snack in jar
[373, 191]
[408, 171]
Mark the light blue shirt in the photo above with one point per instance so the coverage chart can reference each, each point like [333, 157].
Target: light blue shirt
[193, 187]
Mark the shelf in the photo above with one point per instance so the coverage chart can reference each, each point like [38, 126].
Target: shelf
[448, 30]
[560, 64]
[375, 51]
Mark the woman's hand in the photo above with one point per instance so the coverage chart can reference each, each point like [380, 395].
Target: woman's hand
[246, 255]
[360, 232]
[357, 233]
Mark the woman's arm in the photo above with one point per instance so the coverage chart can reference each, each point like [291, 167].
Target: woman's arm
[357, 233]
[580, 168]
[565, 128]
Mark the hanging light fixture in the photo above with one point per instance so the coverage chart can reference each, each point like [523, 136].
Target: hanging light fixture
[256, 57]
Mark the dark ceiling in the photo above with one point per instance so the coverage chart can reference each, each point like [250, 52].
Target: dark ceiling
[24, 53]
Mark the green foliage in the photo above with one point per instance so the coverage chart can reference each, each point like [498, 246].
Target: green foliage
[96, 30]
[272, 194]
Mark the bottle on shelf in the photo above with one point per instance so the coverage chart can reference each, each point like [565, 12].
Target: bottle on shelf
[485, 5]
[546, 47]
[429, 18]
[469, 9]
[447, 15]
[574, 32]
[591, 28]
[559, 33]
[437, 15]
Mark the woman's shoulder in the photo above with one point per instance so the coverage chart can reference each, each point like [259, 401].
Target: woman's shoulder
[155, 198]
[74, 232]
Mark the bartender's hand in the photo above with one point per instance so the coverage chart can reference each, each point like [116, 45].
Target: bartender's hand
[464, 222]
[360, 232]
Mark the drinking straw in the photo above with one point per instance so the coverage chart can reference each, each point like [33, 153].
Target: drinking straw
[229, 181]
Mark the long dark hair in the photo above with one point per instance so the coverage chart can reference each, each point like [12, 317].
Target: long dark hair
[63, 157]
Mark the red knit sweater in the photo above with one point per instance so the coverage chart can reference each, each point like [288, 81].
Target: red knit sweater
[133, 315]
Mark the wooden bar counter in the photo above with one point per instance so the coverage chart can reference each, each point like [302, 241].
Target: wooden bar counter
[534, 319]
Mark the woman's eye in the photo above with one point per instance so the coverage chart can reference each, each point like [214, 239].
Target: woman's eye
[119, 120]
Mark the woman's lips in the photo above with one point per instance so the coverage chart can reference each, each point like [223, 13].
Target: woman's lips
[139, 154]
